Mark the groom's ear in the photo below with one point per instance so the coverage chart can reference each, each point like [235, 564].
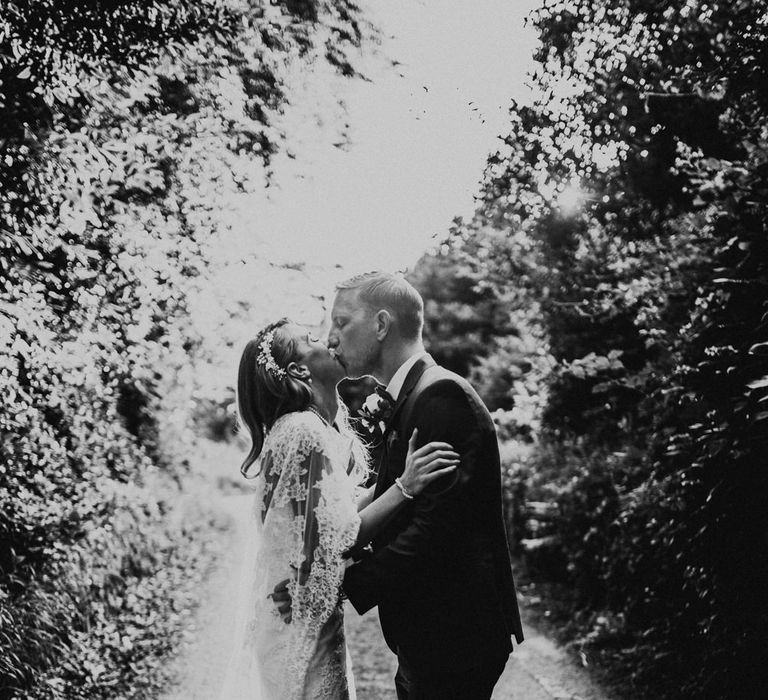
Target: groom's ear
[383, 324]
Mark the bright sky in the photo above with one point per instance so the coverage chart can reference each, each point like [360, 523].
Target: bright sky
[418, 137]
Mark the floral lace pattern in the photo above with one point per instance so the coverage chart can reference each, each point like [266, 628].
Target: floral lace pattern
[306, 520]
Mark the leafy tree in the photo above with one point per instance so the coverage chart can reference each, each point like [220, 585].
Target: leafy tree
[125, 126]
[632, 192]
[473, 326]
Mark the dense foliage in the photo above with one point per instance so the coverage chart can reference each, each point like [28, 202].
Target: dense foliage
[471, 326]
[126, 126]
[629, 205]
[480, 327]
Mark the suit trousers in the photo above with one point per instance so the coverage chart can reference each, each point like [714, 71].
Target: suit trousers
[472, 684]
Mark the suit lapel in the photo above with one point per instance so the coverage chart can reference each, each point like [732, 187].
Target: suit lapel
[411, 379]
[384, 480]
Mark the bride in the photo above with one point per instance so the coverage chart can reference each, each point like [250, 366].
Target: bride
[310, 514]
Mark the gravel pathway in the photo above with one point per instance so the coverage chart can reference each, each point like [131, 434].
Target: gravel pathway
[201, 664]
[537, 670]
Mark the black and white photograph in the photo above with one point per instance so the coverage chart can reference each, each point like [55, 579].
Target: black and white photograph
[401, 350]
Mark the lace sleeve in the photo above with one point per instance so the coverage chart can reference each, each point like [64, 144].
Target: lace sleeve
[311, 507]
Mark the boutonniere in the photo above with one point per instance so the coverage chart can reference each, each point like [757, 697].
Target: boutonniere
[374, 415]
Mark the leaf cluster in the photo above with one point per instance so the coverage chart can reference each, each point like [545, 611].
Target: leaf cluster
[126, 129]
[631, 194]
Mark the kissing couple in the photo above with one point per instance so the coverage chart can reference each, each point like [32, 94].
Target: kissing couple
[426, 543]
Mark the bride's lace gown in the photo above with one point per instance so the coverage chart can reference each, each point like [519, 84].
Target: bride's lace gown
[305, 520]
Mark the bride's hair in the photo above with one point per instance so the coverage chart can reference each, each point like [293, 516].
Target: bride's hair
[265, 392]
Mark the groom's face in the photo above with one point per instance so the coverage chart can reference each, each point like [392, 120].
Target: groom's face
[352, 337]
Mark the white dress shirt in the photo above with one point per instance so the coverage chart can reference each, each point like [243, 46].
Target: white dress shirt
[398, 378]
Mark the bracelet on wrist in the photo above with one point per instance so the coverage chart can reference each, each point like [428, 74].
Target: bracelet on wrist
[406, 494]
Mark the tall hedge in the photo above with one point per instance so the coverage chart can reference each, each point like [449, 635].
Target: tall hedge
[125, 126]
[629, 204]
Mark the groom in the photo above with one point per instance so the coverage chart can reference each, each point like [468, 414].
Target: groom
[440, 570]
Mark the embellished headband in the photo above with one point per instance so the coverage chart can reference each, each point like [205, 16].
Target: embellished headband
[265, 358]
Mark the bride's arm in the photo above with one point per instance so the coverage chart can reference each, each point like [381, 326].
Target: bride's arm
[301, 487]
[364, 497]
[422, 466]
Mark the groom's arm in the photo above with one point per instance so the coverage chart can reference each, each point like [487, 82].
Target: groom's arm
[442, 413]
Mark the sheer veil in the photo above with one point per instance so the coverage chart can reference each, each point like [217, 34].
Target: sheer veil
[303, 520]
[243, 679]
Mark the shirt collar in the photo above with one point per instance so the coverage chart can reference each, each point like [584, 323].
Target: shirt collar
[398, 378]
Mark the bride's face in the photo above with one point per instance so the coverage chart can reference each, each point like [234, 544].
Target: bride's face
[313, 353]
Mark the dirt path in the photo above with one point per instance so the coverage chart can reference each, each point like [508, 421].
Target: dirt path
[202, 662]
[537, 670]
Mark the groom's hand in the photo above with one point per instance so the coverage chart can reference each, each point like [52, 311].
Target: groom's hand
[282, 600]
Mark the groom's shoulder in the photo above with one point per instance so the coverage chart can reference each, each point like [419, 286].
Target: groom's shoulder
[438, 373]
[440, 388]
[439, 379]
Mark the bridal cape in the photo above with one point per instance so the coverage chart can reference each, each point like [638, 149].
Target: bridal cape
[304, 520]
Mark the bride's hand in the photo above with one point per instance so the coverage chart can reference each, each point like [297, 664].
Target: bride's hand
[427, 463]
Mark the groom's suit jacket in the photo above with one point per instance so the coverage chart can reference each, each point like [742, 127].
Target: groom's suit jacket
[440, 569]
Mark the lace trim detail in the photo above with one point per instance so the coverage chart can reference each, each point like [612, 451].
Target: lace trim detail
[334, 673]
[310, 521]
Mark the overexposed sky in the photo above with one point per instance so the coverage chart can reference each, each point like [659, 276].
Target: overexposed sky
[416, 137]
[417, 140]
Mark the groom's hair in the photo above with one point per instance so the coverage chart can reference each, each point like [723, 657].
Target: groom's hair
[384, 290]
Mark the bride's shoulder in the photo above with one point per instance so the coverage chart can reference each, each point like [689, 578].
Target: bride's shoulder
[303, 427]
[307, 420]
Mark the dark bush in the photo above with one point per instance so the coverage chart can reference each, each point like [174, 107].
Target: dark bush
[114, 152]
[627, 207]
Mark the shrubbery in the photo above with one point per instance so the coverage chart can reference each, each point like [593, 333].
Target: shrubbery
[628, 210]
[124, 129]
